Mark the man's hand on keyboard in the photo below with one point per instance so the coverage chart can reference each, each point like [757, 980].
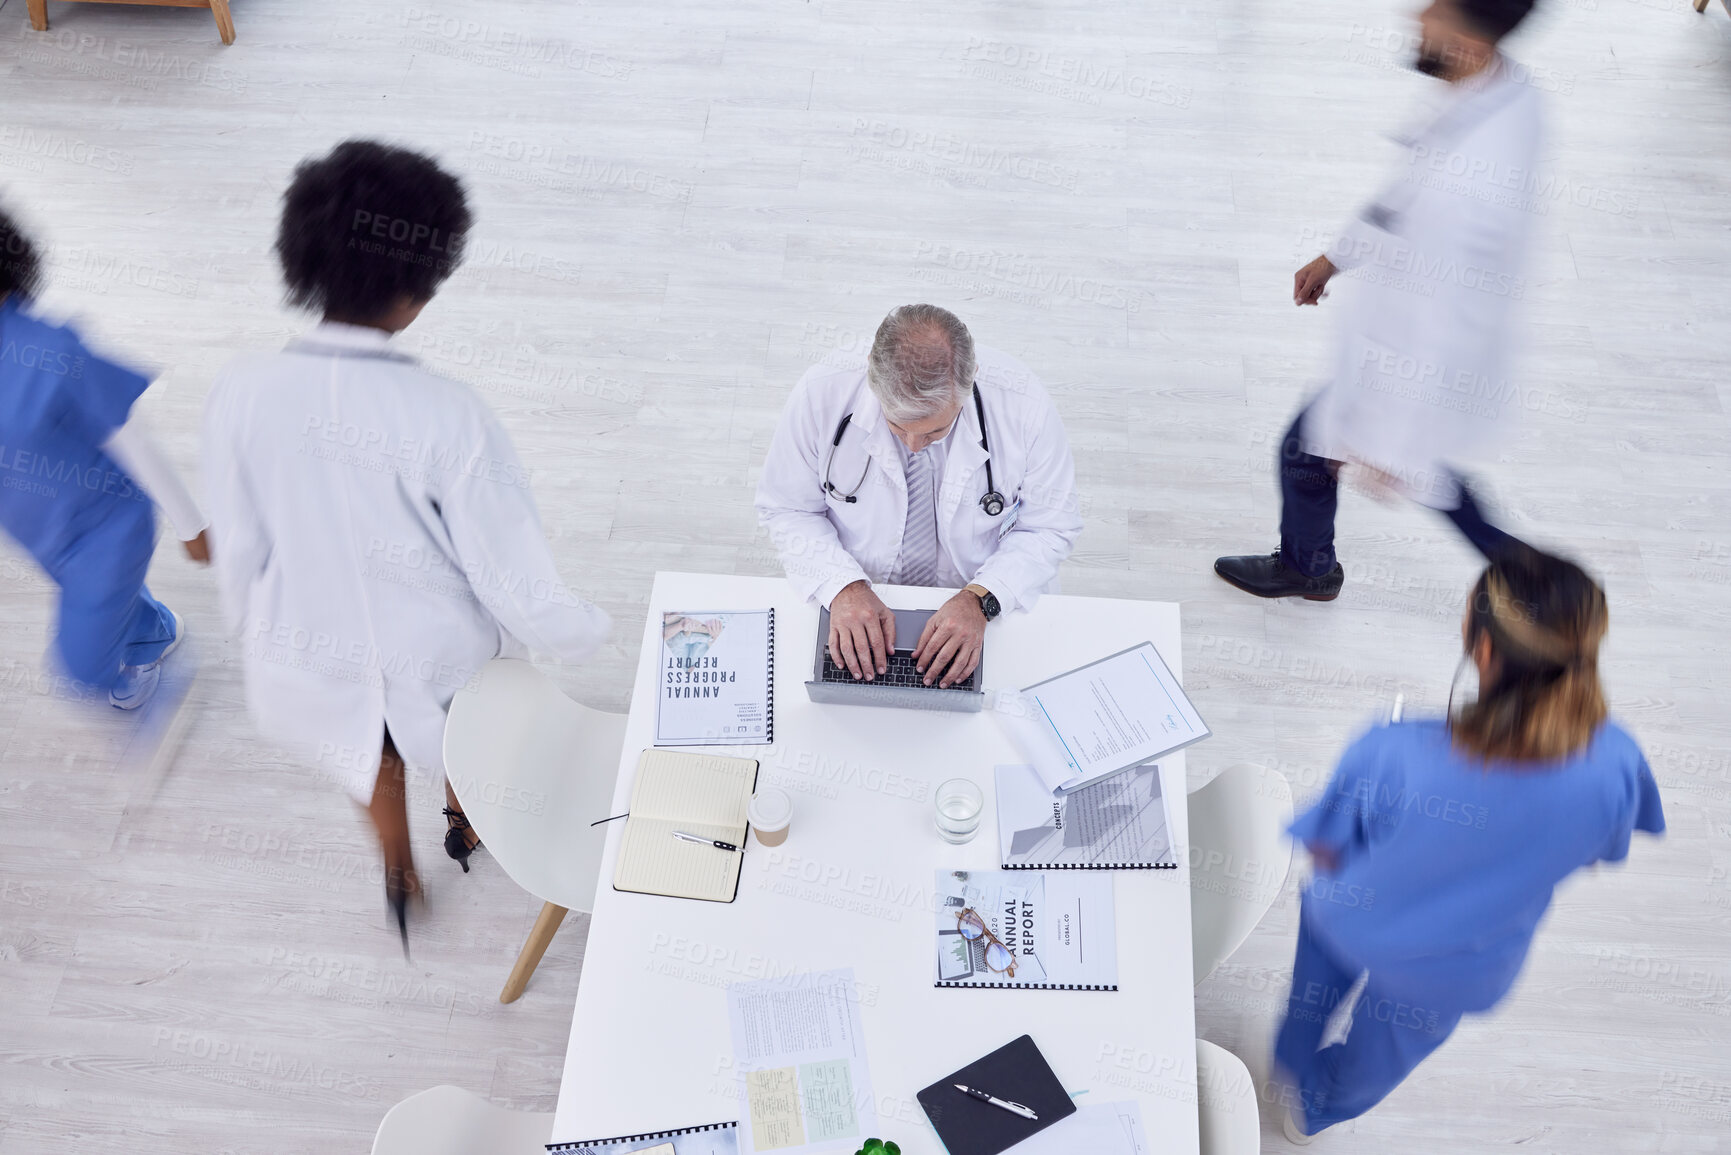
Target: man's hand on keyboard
[862, 631]
[953, 638]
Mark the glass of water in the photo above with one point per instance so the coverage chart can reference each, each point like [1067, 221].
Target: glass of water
[958, 803]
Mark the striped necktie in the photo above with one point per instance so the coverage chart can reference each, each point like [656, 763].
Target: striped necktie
[919, 560]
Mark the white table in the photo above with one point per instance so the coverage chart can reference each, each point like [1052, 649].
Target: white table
[852, 886]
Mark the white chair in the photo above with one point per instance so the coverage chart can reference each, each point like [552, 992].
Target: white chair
[1225, 1103]
[533, 770]
[450, 1121]
[1239, 856]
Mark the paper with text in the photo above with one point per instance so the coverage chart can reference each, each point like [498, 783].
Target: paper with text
[1101, 718]
[800, 1056]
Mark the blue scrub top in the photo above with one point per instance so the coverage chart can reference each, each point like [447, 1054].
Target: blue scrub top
[59, 403]
[1447, 864]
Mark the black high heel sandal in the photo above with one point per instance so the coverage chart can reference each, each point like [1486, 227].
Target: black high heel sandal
[457, 843]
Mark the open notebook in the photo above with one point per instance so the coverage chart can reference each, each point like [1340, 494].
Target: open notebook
[701, 794]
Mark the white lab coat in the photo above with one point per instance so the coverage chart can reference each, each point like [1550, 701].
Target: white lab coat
[375, 544]
[1422, 376]
[827, 543]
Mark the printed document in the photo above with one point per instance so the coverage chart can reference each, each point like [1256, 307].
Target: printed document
[800, 1058]
[717, 682]
[1116, 823]
[1099, 719]
[1023, 928]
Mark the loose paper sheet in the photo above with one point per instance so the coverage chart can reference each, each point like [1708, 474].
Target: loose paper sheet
[800, 1056]
[1101, 718]
[1101, 1129]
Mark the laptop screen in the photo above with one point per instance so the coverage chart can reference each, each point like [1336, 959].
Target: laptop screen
[909, 625]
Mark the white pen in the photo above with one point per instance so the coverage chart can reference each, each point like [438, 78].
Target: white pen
[1013, 1108]
[719, 845]
[1399, 701]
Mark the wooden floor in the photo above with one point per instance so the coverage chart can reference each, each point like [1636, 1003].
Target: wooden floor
[682, 206]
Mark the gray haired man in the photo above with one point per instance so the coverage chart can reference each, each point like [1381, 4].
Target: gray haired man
[933, 464]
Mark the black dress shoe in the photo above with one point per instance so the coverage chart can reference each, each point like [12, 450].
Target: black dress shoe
[1266, 576]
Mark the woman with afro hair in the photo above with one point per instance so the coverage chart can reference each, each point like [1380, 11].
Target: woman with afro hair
[376, 539]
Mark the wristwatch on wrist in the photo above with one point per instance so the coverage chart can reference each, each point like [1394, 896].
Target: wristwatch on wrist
[988, 601]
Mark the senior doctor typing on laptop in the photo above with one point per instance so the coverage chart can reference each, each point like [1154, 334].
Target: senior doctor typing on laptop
[928, 466]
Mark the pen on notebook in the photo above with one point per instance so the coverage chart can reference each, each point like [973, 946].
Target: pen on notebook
[1013, 1108]
[719, 845]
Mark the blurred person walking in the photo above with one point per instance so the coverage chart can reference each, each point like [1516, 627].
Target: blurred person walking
[1438, 844]
[1420, 379]
[79, 471]
[376, 539]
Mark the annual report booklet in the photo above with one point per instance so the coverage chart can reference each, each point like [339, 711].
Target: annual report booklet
[717, 680]
[1116, 823]
[1098, 719]
[704, 795]
[1054, 932]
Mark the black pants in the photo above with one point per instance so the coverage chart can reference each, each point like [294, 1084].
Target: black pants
[1310, 493]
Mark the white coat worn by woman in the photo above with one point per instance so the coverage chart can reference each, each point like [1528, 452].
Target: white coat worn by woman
[376, 544]
[827, 542]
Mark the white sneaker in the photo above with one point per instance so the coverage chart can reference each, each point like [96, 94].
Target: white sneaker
[1294, 1131]
[138, 684]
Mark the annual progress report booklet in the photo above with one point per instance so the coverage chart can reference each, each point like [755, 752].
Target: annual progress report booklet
[717, 683]
[1014, 928]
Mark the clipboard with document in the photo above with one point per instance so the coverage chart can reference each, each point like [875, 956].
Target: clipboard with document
[1102, 718]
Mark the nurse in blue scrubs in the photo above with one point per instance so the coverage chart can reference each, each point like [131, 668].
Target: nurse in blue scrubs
[77, 477]
[1438, 844]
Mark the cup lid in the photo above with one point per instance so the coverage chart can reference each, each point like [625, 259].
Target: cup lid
[770, 808]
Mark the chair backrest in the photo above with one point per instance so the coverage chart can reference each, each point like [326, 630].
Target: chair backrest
[533, 769]
[1239, 857]
[1225, 1103]
[451, 1121]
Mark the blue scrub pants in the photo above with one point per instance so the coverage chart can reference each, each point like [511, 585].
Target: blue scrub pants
[1310, 494]
[1389, 1036]
[107, 617]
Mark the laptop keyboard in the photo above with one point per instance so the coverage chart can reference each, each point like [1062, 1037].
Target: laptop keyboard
[900, 672]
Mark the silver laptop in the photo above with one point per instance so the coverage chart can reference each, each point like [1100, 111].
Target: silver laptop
[901, 684]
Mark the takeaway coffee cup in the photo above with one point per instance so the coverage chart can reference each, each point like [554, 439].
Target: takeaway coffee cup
[770, 812]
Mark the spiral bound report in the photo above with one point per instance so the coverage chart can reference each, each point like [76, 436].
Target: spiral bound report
[769, 685]
[1025, 930]
[1117, 823]
[716, 685]
[624, 1144]
[1031, 986]
[1090, 866]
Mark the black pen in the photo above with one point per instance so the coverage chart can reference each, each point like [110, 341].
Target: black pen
[719, 845]
[1013, 1108]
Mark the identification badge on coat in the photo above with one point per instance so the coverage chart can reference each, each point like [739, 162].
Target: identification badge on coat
[1010, 516]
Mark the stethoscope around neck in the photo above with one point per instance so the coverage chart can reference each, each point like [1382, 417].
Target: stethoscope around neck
[991, 501]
